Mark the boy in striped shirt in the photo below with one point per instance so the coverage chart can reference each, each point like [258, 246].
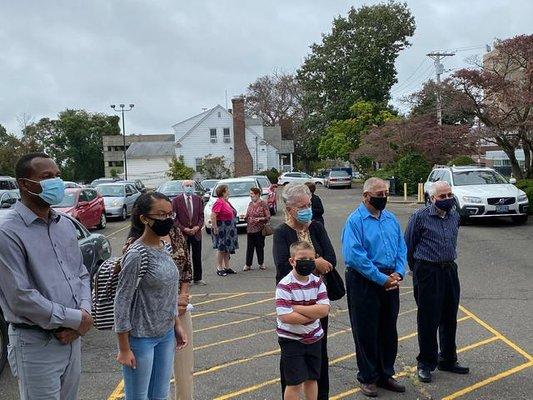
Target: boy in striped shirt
[301, 300]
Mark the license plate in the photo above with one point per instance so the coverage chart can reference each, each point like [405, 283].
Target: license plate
[502, 209]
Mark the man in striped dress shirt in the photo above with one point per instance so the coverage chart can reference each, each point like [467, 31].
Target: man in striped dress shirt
[431, 238]
[301, 300]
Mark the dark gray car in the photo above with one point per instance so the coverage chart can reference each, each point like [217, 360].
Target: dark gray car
[95, 249]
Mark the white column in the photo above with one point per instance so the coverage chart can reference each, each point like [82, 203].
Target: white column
[290, 154]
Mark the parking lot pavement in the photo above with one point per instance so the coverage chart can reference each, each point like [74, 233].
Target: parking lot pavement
[236, 351]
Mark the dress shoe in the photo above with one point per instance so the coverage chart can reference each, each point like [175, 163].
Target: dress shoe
[392, 385]
[369, 389]
[455, 368]
[424, 375]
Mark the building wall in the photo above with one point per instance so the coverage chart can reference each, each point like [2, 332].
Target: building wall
[152, 171]
[197, 144]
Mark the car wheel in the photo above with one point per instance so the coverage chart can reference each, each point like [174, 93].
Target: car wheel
[3, 343]
[103, 221]
[464, 220]
[274, 210]
[124, 213]
[286, 183]
[318, 183]
[208, 231]
[520, 219]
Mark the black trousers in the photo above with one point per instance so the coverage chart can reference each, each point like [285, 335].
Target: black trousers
[373, 314]
[323, 381]
[255, 242]
[437, 292]
[195, 248]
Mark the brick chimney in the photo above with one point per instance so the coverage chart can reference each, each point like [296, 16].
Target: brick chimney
[244, 164]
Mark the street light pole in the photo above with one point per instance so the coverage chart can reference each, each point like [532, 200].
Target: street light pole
[122, 110]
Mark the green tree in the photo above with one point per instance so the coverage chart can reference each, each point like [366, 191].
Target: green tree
[462, 160]
[343, 137]
[412, 168]
[10, 150]
[214, 167]
[354, 62]
[178, 170]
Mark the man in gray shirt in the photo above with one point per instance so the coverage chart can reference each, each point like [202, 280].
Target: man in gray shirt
[44, 286]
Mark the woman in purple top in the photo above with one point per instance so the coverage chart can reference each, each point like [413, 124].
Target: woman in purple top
[224, 230]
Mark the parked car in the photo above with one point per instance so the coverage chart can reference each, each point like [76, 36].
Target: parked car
[239, 198]
[85, 205]
[299, 177]
[8, 198]
[72, 185]
[8, 183]
[95, 249]
[481, 192]
[338, 178]
[100, 181]
[208, 185]
[173, 189]
[139, 185]
[119, 198]
[269, 191]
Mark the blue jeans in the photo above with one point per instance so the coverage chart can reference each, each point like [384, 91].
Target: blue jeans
[155, 359]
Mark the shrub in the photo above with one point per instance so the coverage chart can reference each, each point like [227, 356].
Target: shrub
[412, 168]
[527, 186]
[272, 174]
[462, 160]
[178, 170]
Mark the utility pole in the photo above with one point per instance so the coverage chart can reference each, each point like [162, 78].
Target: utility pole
[439, 69]
[122, 110]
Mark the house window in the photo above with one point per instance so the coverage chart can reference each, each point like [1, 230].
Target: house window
[227, 137]
[213, 135]
[198, 164]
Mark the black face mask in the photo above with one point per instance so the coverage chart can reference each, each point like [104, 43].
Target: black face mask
[162, 227]
[379, 203]
[445, 204]
[305, 267]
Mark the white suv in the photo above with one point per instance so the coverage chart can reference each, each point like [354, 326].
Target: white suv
[481, 192]
[299, 177]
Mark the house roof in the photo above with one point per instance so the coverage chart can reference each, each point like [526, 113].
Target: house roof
[204, 115]
[272, 135]
[150, 149]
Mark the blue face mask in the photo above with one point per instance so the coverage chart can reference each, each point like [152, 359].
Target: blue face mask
[304, 216]
[53, 190]
[189, 190]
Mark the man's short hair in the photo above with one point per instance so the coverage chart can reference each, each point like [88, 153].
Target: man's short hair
[255, 190]
[221, 189]
[371, 183]
[300, 245]
[23, 167]
[311, 186]
[436, 185]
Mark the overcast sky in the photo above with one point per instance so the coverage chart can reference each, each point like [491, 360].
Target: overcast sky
[172, 58]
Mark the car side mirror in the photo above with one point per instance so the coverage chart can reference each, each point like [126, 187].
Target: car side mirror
[5, 204]
[512, 181]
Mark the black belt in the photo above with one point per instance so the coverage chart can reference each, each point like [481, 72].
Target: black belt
[387, 271]
[441, 264]
[37, 328]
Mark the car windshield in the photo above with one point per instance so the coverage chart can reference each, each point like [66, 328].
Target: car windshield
[209, 184]
[111, 190]
[304, 175]
[172, 188]
[480, 177]
[339, 174]
[240, 189]
[68, 201]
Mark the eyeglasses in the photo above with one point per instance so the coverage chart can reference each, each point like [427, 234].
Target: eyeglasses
[445, 196]
[162, 216]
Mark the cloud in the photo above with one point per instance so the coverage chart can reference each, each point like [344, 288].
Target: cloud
[172, 58]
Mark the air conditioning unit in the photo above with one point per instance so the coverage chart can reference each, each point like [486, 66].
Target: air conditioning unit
[227, 140]
[213, 140]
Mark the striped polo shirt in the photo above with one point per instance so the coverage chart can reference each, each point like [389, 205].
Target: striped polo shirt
[290, 292]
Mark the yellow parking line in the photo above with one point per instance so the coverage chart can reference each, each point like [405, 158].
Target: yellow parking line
[240, 321]
[507, 341]
[232, 308]
[413, 369]
[489, 380]
[401, 294]
[236, 362]
[248, 389]
[220, 299]
[118, 393]
[127, 226]
[229, 293]
[206, 346]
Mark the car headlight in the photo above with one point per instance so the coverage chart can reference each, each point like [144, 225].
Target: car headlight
[115, 203]
[474, 200]
[522, 198]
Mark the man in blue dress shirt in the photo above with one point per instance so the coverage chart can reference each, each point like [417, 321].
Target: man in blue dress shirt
[431, 238]
[375, 255]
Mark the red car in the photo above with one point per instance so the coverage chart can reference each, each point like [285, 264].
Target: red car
[85, 205]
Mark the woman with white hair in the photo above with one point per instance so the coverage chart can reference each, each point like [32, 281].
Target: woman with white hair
[299, 226]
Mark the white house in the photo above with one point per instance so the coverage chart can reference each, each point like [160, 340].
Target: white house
[149, 162]
[246, 145]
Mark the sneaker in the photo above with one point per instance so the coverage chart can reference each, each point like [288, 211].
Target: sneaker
[200, 283]
[262, 267]
[221, 272]
[229, 271]
[246, 268]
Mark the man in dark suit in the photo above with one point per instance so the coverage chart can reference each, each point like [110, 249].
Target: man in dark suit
[189, 209]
